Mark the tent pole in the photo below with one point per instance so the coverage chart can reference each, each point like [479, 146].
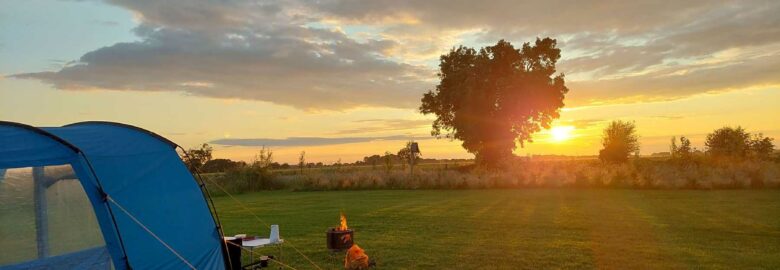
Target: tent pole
[41, 216]
[210, 204]
[110, 212]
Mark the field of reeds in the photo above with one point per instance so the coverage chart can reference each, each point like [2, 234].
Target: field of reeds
[640, 173]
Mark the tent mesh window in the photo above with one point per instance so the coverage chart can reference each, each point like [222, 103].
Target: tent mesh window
[47, 221]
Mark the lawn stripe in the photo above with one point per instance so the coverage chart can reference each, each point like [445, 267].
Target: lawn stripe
[620, 238]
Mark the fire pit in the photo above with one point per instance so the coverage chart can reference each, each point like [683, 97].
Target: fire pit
[340, 238]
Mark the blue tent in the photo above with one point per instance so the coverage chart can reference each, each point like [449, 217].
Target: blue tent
[95, 194]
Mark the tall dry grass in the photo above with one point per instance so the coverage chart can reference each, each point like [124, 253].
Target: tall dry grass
[642, 173]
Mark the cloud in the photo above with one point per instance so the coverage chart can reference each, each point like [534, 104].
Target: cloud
[380, 125]
[669, 117]
[614, 51]
[585, 123]
[531, 17]
[230, 55]
[336, 74]
[340, 54]
[681, 81]
[311, 141]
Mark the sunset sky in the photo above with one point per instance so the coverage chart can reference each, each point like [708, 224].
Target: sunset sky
[343, 79]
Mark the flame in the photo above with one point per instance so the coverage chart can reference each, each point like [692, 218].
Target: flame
[356, 259]
[343, 226]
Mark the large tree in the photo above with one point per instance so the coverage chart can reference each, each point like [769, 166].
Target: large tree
[496, 97]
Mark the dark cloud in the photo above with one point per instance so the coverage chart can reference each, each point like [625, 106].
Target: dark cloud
[281, 67]
[617, 50]
[246, 51]
[311, 141]
[730, 27]
[528, 18]
[204, 15]
[682, 81]
[294, 53]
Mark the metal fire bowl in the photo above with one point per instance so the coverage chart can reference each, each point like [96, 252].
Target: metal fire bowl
[336, 239]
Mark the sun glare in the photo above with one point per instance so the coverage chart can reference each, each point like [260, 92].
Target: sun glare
[561, 133]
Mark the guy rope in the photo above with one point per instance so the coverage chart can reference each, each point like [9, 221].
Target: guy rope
[247, 209]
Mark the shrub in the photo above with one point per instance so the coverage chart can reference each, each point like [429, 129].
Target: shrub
[737, 144]
[761, 147]
[727, 142]
[620, 140]
[684, 153]
[220, 165]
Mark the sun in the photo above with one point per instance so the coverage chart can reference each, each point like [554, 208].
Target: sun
[561, 133]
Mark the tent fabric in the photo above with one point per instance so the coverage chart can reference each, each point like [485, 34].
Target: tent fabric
[21, 146]
[143, 174]
[95, 258]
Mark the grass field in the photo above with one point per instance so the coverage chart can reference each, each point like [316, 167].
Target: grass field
[530, 229]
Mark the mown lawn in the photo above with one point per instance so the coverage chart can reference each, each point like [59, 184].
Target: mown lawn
[524, 229]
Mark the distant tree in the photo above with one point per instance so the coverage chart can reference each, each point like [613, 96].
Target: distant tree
[685, 151]
[196, 158]
[619, 141]
[728, 142]
[374, 161]
[388, 161]
[673, 148]
[302, 161]
[761, 147]
[497, 96]
[736, 143]
[263, 159]
[221, 165]
[405, 154]
[682, 153]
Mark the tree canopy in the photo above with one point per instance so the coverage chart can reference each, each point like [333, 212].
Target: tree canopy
[220, 165]
[684, 152]
[620, 141]
[731, 143]
[196, 158]
[407, 156]
[496, 97]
